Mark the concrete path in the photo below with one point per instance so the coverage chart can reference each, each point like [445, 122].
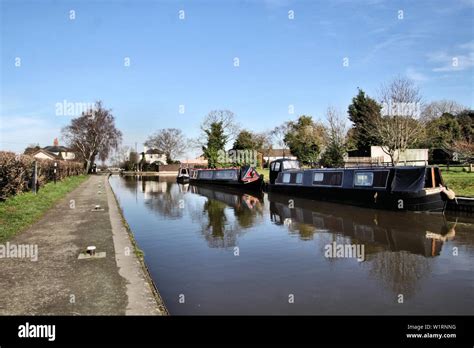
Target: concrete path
[59, 283]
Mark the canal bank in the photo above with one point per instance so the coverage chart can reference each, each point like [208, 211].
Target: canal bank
[58, 282]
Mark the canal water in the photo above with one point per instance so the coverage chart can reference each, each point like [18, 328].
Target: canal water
[212, 251]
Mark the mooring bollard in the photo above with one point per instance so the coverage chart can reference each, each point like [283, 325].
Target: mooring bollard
[91, 250]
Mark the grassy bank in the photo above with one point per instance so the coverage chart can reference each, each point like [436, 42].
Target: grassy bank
[20, 211]
[461, 182]
[265, 172]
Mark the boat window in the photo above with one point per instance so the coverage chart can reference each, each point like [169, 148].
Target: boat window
[184, 171]
[286, 178]
[291, 165]
[380, 178]
[299, 178]
[277, 166]
[205, 174]
[226, 174]
[363, 179]
[318, 177]
[327, 178]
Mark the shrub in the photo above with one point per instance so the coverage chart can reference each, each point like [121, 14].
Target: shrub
[16, 172]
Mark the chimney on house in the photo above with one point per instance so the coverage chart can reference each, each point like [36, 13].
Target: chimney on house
[55, 142]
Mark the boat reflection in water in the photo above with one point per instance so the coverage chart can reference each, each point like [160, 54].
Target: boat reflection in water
[219, 230]
[380, 230]
[397, 247]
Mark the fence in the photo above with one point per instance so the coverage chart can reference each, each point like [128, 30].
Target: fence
[169, 168]
[457, 167]
[17, 172]
[379, 162]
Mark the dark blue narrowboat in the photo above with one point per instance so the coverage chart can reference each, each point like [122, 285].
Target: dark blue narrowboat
[245, 177]
[419, 189]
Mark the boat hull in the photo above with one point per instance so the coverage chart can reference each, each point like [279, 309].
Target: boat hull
[254, 186]
[182, 179]
[432, 202]
[212, 191]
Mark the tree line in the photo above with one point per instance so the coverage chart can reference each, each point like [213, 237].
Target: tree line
[396, 119]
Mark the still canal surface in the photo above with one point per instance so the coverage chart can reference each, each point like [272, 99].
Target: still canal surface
[215, 252]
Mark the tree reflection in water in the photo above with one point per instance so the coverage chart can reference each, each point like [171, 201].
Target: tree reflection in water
[400, 271]
[160, 193]
[219, 229]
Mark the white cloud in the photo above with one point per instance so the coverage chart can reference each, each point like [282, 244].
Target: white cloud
[397, 42]
[19, 131]
[450, 63]
[461, 58]
[8, 123]
[467, 46]
[415, 75]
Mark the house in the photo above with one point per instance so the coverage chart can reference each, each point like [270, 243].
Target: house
[153, 156]
[377, 156]
[196, 162]
[54, 152]
[274, 154]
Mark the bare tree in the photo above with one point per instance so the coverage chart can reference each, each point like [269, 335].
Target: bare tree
[437, 108]
[227, 117]
[170, 141]
[336, 128]
[462, 151]
[265, 141]
[400, 125]
[93, 135]
[120, 155]
[278, 134]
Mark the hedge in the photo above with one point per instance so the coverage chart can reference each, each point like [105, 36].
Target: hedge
[16, 172]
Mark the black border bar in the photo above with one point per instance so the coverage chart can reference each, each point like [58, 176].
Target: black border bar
[222, 330]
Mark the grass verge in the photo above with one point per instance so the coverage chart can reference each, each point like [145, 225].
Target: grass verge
[20, 211]
[462, 183]
[265, 172]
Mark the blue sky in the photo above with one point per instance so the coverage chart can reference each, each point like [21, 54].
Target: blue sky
[190, 62]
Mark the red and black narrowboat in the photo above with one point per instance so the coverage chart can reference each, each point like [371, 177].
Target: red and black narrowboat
[245, 177]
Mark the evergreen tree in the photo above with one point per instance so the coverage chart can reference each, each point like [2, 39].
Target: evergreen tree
[216, 140]
[442, 132]
[363, 111]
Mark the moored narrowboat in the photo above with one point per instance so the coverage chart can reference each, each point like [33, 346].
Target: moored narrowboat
[245, 177]
[419, 189]
[183, 175]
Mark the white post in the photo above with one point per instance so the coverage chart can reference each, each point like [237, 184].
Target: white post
[35, 177]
